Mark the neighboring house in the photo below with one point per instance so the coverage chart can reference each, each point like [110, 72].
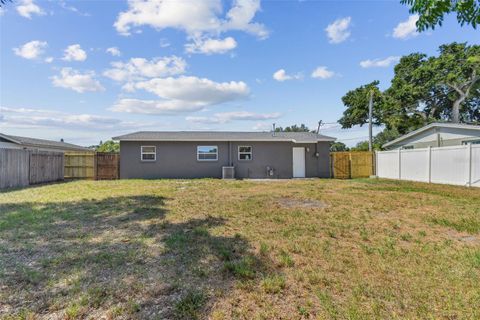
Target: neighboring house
[15, 142]
[189, 154]
[437, 135]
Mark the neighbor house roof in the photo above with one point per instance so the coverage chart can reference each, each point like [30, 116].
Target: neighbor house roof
[430, 126]
[41, 143]
[297, 137]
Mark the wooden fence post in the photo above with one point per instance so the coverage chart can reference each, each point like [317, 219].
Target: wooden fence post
[349, 165]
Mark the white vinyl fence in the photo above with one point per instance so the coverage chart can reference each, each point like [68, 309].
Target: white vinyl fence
[458, 165]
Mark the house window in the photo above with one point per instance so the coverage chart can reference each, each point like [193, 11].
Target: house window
[207, 153]
[148, 153]
[471, 141]
[244, 153]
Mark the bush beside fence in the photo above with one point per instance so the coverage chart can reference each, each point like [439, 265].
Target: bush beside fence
[459, 165]
[20, 168]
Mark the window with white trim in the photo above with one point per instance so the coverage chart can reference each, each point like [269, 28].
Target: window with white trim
[148, 153]
[245, 153]
[207, 153]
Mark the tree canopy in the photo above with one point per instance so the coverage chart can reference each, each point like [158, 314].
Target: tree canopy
[432, 12]
[423, 90]
[108, 146]
[293, 128]
[338, 146]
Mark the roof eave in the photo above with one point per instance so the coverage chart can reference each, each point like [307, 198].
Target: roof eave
[227, 140]
[6, 137]
[429, 126]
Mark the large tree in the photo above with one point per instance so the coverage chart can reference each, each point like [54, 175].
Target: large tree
[456, 71]
[356, 102]
[432, 12]
[423, 90]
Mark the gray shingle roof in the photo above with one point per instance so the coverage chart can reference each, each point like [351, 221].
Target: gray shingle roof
[297, 137]
[33, 142]
[433, 125]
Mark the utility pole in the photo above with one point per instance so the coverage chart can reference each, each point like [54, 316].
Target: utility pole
[370, 116]
[319, 125]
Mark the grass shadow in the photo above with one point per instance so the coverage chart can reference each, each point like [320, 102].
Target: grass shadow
[119, 257]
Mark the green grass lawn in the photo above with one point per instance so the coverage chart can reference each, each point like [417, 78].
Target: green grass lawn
[186, 249]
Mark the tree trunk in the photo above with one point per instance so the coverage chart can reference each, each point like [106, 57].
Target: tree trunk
[456, 108]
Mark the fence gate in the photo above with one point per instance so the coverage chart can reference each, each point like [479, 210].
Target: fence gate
[108, 165]
[79, 165]
[347, 165]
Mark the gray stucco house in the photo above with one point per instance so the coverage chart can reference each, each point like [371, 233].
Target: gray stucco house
[190, 154]
[437, 135]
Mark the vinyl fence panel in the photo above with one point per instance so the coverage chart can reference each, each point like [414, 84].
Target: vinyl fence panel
[388, 164]
[414, 165]
[459, 165]
[475, 176]
[450, 165]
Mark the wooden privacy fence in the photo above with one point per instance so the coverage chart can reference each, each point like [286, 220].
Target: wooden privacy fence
[90, 165]
[348, 165]
[79, 165]
[108, 166]
[20, 168]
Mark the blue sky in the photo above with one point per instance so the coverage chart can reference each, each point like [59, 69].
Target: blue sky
[89, 70]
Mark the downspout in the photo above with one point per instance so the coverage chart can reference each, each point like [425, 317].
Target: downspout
[230, 154]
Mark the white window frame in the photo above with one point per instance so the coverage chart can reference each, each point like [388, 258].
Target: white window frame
[239, 153]
[154, 154]
[216, 153]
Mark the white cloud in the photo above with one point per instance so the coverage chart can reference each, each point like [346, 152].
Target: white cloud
[281, 75]
[226, 117]
[155, 106]
[195, 89]
[322, 72]
[74, 53]
[48, 59]
[381, 63]
[114, 51]
[31, 50]
[34, 118]
[27, 8]
[182, 94]
[262, 126]
[77, 81]
[140, 68]
[164, 43]
[211, 46]
[193, 17]
[338, 31]
[68, 7]
[406, 29]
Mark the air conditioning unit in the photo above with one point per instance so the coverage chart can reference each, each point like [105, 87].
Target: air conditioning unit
[228, 172]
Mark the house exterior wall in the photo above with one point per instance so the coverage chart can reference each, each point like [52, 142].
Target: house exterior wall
[438, 137]
[178, 159]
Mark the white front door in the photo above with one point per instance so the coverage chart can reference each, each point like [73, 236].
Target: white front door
[299, 162]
